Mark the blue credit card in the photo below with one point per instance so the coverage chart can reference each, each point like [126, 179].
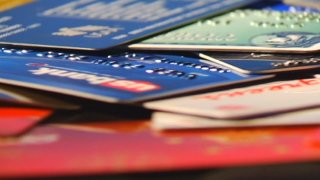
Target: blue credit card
[100, 24]
[129, 77]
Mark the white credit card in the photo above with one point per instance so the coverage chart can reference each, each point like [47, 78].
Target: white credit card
[257, 100]
[172, 121]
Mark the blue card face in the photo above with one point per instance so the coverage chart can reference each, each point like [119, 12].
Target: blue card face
[100, 24]
[118, 78]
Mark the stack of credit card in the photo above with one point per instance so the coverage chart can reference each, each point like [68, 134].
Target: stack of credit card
[238, 76]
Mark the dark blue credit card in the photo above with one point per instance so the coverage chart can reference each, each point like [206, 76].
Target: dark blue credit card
[100, 24]
[127, 77]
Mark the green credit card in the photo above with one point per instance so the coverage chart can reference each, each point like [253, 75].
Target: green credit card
[244, 30]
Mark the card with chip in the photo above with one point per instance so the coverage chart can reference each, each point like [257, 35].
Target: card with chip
[99, 24]
[15, 121]
[126, 77]
[247, 102]
[264, 63]
[173, 121]
[246, 30]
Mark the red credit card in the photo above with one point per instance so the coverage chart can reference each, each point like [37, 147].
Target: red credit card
[14, 121]
[108, 148]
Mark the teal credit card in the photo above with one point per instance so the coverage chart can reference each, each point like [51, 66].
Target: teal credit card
[244, 30]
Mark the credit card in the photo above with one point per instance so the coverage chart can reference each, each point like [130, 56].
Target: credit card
[264, 63]
[100, 24]
[172, 121]
[306, 3]
[14, 121]
[22, 96]
[113, 78]
[116, 147]
[245, 30]
[252, 101]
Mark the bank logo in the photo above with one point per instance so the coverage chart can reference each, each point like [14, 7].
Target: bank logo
[136, 86]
